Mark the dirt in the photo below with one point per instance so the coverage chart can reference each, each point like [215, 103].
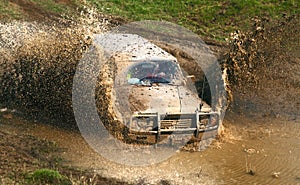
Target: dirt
[32, 12]
[260, 143]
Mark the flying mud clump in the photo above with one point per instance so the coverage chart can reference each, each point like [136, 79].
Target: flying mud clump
[263, 67]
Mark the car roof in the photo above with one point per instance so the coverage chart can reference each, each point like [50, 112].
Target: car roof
[133, 47]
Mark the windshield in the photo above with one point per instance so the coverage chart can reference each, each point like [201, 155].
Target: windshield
[149, 72]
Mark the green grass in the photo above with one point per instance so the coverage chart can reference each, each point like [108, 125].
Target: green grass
[47, 176]
[211, 18]
[7, 11]
[51, 5]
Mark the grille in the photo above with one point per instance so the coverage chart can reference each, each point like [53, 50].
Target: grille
[176, 124]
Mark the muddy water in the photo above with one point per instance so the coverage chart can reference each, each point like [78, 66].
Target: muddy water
[266, 151]
[260, 151]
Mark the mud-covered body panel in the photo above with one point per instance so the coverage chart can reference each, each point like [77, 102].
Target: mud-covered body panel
[150, 95]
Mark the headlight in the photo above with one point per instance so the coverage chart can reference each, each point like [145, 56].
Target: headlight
[141, 124]
[213, 120]
[203, 121]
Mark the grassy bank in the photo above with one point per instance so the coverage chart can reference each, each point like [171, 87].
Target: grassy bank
[213, 19]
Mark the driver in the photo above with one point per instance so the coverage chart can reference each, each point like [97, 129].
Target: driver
[161, 75]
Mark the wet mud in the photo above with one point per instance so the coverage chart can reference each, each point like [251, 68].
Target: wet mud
[260, 143]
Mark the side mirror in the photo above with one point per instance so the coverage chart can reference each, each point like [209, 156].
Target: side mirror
[191, 77]
[201, 105]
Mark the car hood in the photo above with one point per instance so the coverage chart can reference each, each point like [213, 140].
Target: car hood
[164, 99]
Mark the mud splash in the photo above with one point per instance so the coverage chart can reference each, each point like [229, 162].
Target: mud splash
[39, 62]
[263, 68]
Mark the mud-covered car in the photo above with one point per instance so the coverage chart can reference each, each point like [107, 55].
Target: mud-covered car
[152, 96]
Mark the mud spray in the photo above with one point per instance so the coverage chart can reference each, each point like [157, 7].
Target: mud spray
[263, 68]
[39, 60]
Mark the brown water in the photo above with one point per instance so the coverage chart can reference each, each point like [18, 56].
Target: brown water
[269, 148]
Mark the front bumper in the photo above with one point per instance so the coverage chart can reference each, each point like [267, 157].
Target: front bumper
[155, 128]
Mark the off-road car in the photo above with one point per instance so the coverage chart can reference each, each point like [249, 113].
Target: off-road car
[152, 96]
